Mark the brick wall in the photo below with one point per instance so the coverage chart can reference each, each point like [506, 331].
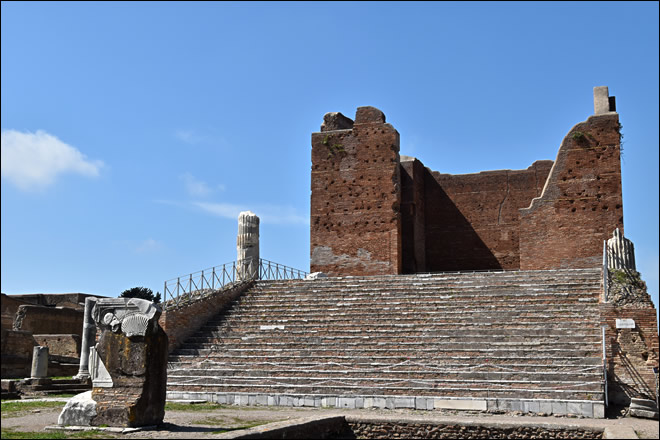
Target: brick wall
[413, 220]
[472, 220]
[48, 320]
[631, 353]
[356, 196]
[182, 322]
[581, 203]
[372, 213]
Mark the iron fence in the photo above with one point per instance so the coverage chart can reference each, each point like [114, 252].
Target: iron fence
[190, 287]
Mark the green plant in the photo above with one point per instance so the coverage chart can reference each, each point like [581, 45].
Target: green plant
[326, 139]
[335, 149]
[578, 136]
[620, 127]
[142, 293]
[173, 406]
[94, 433]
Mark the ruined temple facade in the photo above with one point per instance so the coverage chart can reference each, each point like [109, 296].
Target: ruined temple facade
[376, 212]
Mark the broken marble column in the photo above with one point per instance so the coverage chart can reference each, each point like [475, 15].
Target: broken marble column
[247, 246]
[39, 363]
[88, 339]
[620, 252]
[128, 366]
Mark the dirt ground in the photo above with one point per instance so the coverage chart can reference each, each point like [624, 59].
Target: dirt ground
[209, 423]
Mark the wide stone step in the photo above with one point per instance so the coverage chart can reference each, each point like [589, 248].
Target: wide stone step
[459, 363]
[459, 292]
[334, 324]
[296, 330]
[403, 352]
[420, 338]
[544, 374]
[321, 346]
[384, 307]
[429, 318]
[502, 391]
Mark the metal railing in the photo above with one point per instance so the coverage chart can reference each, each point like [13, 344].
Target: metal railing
[186, 288]
[605, 272]
[603, 330]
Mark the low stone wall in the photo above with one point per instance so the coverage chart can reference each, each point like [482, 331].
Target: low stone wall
[16, 353]
[359, 427]
[183, 321]
[60, 345]
[380, 430]
[42, 320]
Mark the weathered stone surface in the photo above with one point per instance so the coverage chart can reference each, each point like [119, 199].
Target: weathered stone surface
[39, 363]
[247, 246]
[60, 345]
[336, 121]
[626, 288]
[79, 411]
[133, 350]
[48, 320]
[316, 276]
[620, 252]
[88, 335]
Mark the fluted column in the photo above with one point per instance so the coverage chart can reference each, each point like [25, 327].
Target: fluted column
[620, 252]
[247, 246]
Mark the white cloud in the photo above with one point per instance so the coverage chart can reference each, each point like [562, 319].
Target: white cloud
[189, 136]
[225, 210]
[283, 215]
[197, 188]
[34, 160]
[149, 245]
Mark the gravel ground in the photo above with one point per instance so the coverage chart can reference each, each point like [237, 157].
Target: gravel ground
[208, 423]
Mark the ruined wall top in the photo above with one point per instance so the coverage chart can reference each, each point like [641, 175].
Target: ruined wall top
[603, 102]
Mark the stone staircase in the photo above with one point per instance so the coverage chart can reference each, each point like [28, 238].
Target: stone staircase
[523, 340]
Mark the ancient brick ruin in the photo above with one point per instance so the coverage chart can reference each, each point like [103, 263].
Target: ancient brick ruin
[375, 212]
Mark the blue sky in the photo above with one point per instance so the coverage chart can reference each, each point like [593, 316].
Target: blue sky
[144, 128]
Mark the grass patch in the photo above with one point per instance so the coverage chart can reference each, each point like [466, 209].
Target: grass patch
[16, 409]
[11, 433]
[173, 406]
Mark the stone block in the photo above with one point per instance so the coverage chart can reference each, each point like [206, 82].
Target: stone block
[424, 403]
[262, 399]
[545, 407]
[465, 404]
[329, 402]
[587, 410]
[380, 402]
[273, 400]
[133, 350]
[531, 406]
[559, 408]
[80, 410]
[404, 402]
[60, 345]
[573, 408]
[346, 402]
